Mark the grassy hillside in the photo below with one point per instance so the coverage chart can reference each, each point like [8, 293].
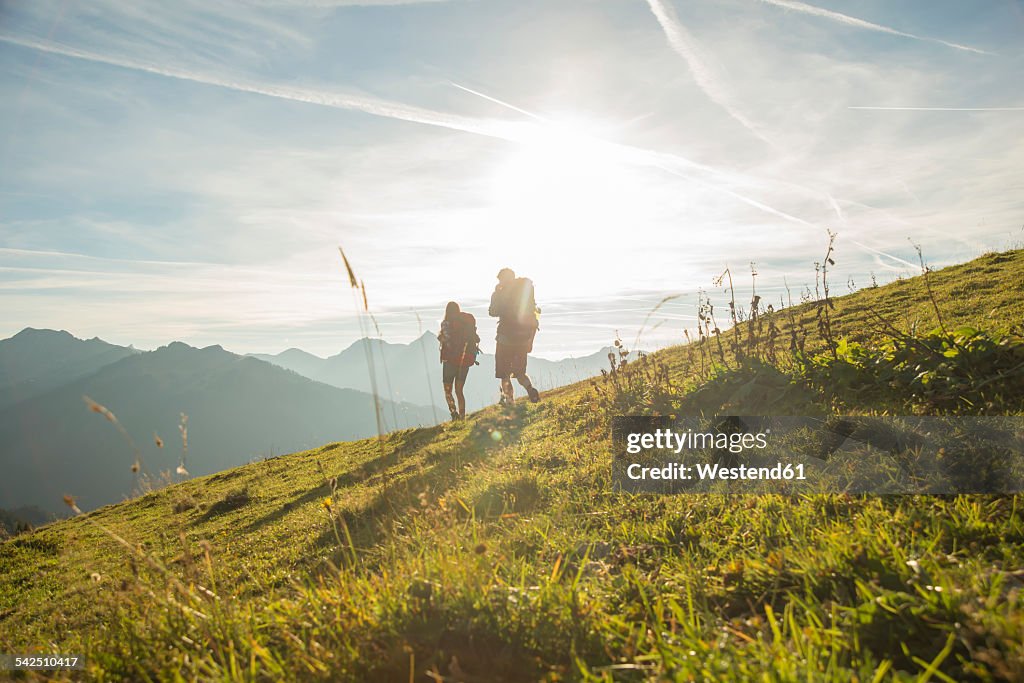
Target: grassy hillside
[493, 549]
[237, 407]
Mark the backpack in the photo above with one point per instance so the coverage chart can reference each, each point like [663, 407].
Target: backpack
[518, 307]
[459, 340]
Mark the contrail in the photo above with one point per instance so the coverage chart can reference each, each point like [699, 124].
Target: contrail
[370, 105]
[939, 108]
[505, 130]
[659, 160]
[341, 3]
[512, 131]
[684, 45]
[746, 200]
[496, 101]
[804, 8]
[882, 253]
[835, 207]
[666, 163]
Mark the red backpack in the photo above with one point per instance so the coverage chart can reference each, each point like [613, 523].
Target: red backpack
[459, 340]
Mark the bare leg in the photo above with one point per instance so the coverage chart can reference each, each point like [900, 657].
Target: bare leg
[525, 382]
[507, 392]
[451, 400]
[460, 384]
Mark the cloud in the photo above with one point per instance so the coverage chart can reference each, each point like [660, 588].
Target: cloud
[200, 33]
[704, 73]
[938, 108]
[506, 130]
[337, 100]
[324, 4]
[846, 19]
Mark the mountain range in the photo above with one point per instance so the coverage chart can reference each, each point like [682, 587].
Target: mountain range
[238, 408]
[34, 361]
[412, 372]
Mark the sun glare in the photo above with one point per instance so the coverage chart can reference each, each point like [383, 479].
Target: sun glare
[562, 194]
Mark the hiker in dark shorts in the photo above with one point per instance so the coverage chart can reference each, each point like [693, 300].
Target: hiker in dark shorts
[459, 342]
[513, 304]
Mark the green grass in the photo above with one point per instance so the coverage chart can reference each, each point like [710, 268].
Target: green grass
[493, 550]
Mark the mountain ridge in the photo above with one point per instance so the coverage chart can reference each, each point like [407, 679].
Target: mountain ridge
[239, 408]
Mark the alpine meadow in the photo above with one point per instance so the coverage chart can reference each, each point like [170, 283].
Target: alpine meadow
[495, 549]
[512, 341]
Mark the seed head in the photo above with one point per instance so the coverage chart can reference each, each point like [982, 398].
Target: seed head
[97, 408]
[70, 502]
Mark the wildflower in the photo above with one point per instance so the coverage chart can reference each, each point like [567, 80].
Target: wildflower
[135, 466]
[328, 503]
[95, 577]
[182, 471]
[158, 440]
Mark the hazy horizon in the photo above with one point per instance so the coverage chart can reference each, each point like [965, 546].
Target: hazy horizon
[338, 351]
[186, 171]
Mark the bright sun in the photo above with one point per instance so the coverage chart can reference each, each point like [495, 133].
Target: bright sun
[560, 194]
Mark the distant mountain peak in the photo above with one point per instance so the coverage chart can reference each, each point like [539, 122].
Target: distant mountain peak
[39, 332]
[295, 351]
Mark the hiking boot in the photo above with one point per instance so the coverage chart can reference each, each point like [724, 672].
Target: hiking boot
[533, 394]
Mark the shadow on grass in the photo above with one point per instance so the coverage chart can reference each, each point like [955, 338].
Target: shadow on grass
[438, 471]
[401, 487]
[233, 500]
[398, 445]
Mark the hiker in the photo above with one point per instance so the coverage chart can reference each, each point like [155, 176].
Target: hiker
[513, 304]
[459, 346]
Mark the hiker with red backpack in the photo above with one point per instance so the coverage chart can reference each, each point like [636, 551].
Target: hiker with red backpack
[513, 304]
[459, 346]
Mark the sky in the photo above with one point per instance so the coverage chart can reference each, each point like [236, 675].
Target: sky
[187, 170]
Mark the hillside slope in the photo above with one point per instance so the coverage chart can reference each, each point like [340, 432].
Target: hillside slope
[239, 409]
[495, 550]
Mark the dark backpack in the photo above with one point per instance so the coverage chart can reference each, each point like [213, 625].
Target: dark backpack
[459, 341]
[521, 305]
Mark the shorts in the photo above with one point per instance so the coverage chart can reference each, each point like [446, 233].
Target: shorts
[452, 371]
[509, 360]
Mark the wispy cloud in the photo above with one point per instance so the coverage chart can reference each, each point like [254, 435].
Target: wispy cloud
[337, 100]
[667, 163]
[804, 8]
[343, 3]
[506, 130]
[938, 108]
[704, 73]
